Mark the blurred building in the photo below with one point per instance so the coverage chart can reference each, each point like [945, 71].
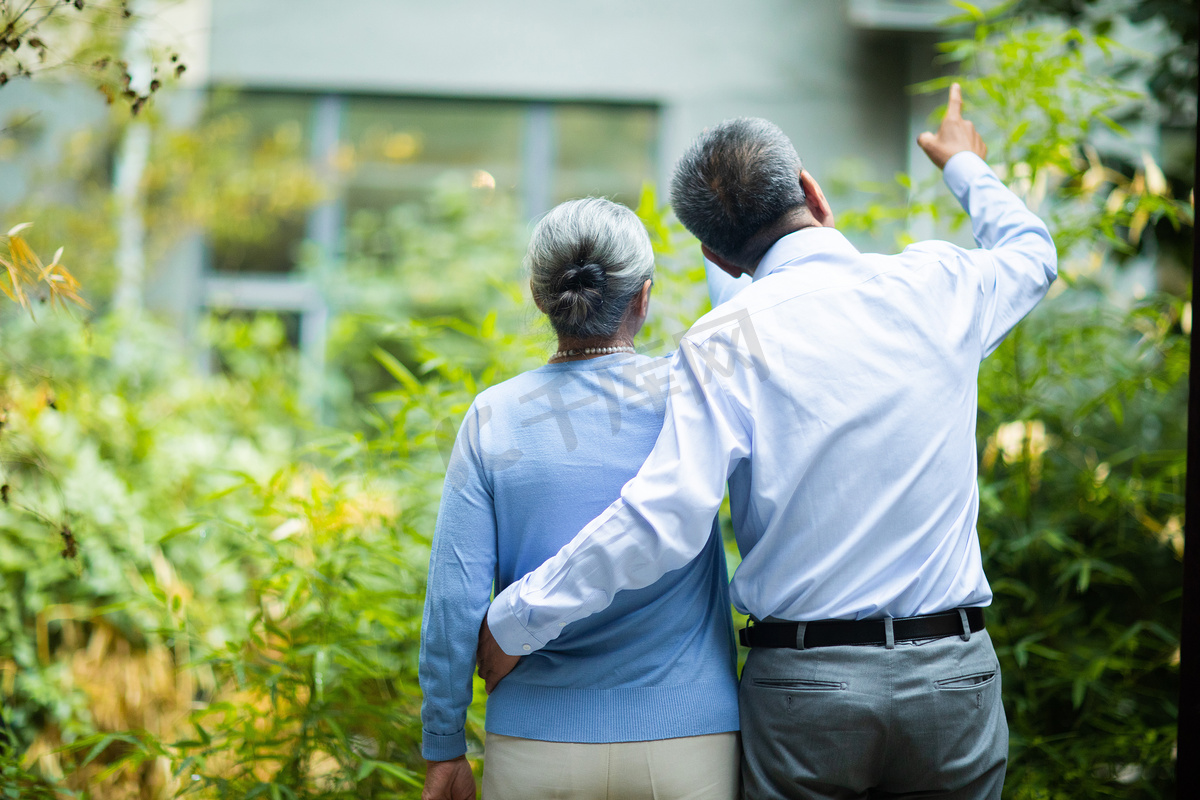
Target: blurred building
[546, 100]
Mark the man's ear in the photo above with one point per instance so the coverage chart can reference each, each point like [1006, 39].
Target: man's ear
[732, 269]
[814, 200]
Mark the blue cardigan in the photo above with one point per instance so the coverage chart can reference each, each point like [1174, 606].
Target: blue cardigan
[537, 457]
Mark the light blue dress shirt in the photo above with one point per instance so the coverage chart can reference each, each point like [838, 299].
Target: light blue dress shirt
[837, 394]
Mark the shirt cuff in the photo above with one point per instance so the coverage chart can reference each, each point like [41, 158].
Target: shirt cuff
[962, 170]
[443, 747]
[513, 637]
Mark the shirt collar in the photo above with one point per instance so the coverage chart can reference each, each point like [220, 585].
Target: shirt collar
[803, 245]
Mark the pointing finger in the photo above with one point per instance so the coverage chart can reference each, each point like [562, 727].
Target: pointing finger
[954, 107]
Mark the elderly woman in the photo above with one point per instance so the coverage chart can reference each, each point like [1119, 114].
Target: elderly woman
[641, 699]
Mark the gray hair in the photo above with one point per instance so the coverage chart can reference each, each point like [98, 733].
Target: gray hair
[587, 260]
[733, 181]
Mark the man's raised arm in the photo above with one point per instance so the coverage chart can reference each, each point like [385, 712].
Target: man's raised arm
[1019, 261]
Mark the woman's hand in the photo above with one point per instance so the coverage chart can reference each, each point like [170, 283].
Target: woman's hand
[449, 780]
[494, 663]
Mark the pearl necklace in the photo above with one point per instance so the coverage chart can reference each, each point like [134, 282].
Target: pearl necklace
[591, 351]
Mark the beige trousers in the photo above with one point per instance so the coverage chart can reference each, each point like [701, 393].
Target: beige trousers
[688, 768]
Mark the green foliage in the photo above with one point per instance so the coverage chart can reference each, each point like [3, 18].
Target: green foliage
[318, 694]
[82, 39]
[1044, 98]
[1081, 428]
[430, 290]
[1173, 76]
[287, 584]
[18, 783]
[241, 618]
[108, 441]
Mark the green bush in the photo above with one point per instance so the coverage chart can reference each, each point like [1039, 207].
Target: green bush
[1081, 425]
[241, 617]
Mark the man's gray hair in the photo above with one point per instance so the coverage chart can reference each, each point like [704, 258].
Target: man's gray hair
[736, 179]
[587, 260]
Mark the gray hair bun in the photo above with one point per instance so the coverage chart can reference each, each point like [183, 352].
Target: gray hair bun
[580, 294]
[587, 259]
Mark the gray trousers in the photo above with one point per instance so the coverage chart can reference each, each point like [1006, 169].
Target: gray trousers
[921, 720]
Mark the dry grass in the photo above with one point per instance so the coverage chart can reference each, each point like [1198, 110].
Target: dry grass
[127, 686]
[127, 689]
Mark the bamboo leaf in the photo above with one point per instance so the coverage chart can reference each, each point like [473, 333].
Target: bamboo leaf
[396, 369]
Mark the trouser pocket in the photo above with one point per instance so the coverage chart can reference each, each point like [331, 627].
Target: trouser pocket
[970, 680]
[800, 685]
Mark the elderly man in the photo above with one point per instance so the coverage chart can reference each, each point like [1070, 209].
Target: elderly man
[837, 394]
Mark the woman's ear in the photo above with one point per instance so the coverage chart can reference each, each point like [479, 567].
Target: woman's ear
[536, 301]
[644, 299]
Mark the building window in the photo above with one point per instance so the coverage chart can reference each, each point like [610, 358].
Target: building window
[399, 148]
[274, 124]
[385, 151]
[376, 153]
[603, 150]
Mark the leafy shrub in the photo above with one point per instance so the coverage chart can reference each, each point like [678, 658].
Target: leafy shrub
[1081, 426]
[109, 441]
[241, 619]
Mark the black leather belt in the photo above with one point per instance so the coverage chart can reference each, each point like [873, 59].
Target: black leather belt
[832, 632]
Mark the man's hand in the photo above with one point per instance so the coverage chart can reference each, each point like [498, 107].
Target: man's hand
[449, 780]
[494, 663]
[954, 136]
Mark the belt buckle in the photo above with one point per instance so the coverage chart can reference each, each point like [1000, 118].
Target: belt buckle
[744, 635]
